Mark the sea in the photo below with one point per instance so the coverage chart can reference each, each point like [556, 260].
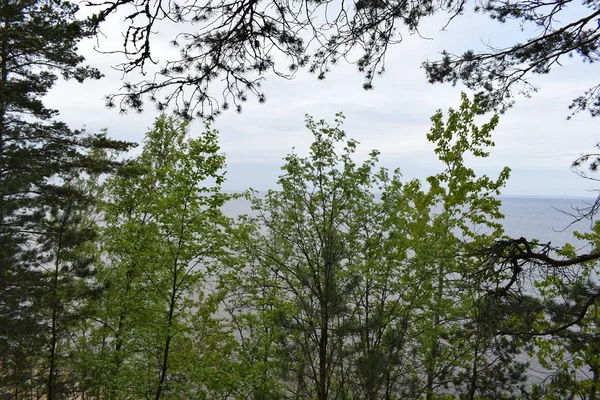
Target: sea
[548, 219]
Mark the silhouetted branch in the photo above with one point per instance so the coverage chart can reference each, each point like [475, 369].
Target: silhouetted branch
[509, 262]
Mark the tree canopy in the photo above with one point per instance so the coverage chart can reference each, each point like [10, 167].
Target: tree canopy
[348, 282]
[228, 47]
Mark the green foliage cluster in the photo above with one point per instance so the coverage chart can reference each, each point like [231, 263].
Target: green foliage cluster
[125, 280]
[353, 283]
[346, 283]
[47, 238]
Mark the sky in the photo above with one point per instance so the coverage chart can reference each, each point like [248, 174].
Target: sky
[534, 138]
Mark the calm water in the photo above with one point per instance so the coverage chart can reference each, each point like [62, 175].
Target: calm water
[542, 218]
[530, 217]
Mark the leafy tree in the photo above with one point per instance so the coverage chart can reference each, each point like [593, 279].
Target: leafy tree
[460, 215]
[159, 337]
[339, 293]
[323, 289]
[239, 43]
[304, 253]
[570, 352]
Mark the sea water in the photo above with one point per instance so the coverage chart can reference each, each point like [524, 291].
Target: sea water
[549, 219]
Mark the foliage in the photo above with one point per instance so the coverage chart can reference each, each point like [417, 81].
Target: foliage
[458, 343]
[570, 353]
[339, 292]
[240, 42]
[499, 73]
[69, 251]
[159, 336]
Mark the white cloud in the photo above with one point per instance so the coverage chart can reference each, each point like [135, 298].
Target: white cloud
[533, 138]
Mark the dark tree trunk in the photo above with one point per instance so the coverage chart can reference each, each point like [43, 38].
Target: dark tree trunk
[474, 372]
[595, 382]
[322, 394]
[54, 331]
[165, 361]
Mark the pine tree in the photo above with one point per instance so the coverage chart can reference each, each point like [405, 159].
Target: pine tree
[38, 44]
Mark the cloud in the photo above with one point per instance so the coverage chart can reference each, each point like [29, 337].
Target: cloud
[533, 138]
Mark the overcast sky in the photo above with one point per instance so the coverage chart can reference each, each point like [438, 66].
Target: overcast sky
[534, 138]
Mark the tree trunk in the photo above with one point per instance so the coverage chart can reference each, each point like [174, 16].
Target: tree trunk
[595, 382]
[163, 367]
[55, 305]
[473, 383]
[3, 92]
[435, 347]
[53, 334]
[322, 393]
[165, 362]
